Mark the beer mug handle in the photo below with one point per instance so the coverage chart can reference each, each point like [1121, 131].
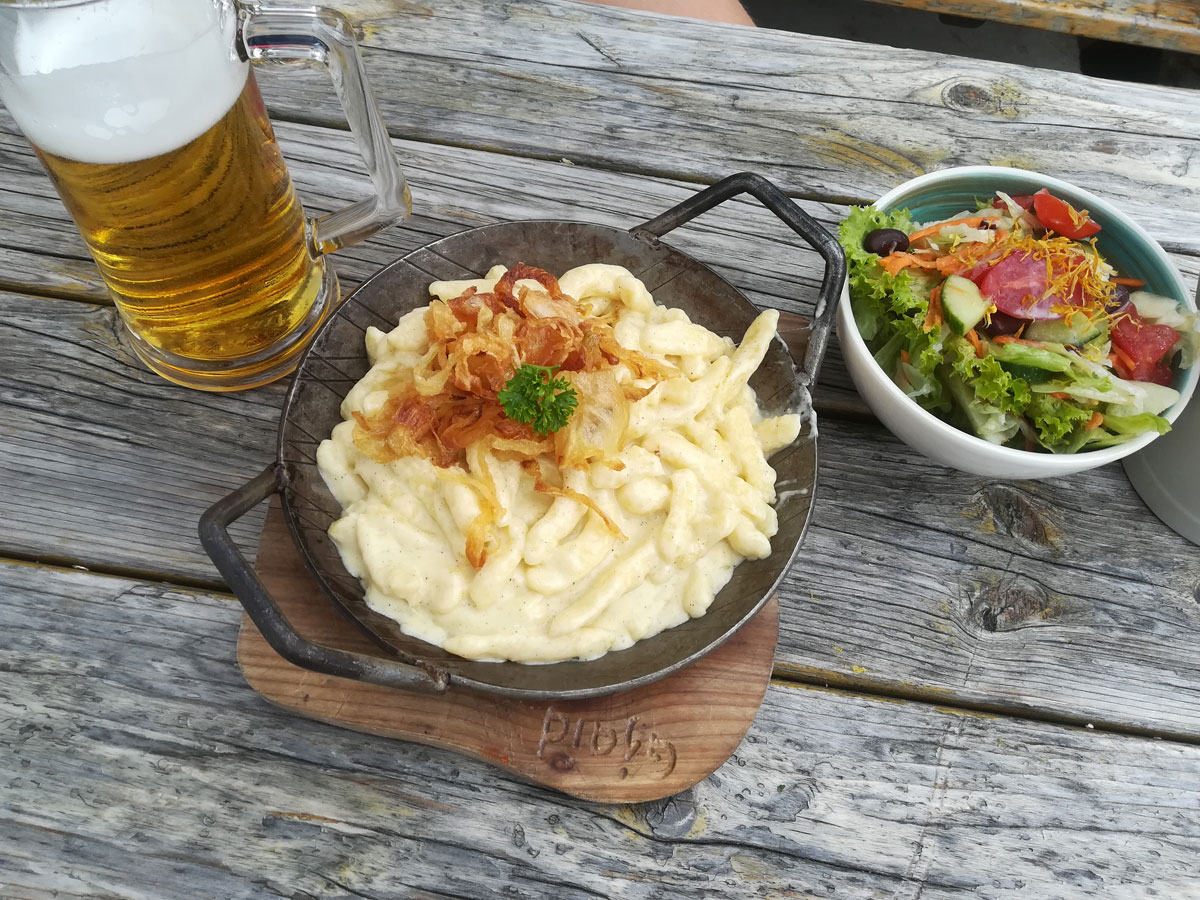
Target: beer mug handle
[281, 34]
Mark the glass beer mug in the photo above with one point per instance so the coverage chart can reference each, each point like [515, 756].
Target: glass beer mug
[147, 117]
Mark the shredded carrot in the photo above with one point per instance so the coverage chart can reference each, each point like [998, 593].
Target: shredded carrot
[976, 343]
[903, 356]
[973, 222]
[1009, 339]
[950, 265]
[1129, 282]
[1059, 395]
[933, 317]
[1095, 421]
[1119, 355]
[895, 261]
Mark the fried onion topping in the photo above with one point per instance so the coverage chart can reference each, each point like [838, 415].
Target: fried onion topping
[477, 341]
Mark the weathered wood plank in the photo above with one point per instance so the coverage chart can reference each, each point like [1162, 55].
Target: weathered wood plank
[1066, 598]
[831, 119]
[1050, 597]
[41, 253]
[105, 464]
[137, 758]
[1167, 24]
[453, 189]
[456, 189]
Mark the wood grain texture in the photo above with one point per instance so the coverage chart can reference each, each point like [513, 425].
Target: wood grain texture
[41, 253]
[105, 464]
[1063, 598]
[1167, 24]
[830, 119]
[457, 189]
[644, 744]
[933, 583]
[137, 763]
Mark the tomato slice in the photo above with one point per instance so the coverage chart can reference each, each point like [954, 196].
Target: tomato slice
[1059, 215]
[1155, 372]
[1145, 346]
[1016, 285]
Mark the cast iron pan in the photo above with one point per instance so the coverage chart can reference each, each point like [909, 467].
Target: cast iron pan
[337, 359]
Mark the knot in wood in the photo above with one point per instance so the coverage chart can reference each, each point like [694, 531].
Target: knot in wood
[671, 817]
[999, 99]
[790, 800]
[1010, 604]
[1010, 510]
[968, 96]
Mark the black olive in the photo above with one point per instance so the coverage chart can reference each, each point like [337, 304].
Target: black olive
[1120, 296]
[883, 241]
[1002, 323]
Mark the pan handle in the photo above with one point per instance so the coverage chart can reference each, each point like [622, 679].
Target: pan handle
[269, 618]
[796, 219]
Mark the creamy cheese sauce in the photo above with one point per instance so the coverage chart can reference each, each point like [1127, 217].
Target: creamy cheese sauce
[693, 499]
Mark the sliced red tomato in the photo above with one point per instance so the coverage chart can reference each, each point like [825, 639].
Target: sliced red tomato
[1156, 372]
[1144, 345]
[1017, 284]
[1059, 215]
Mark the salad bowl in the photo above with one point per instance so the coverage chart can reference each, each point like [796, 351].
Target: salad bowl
[1121, 241]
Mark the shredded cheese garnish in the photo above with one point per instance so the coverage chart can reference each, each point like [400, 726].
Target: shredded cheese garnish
[1074, 269]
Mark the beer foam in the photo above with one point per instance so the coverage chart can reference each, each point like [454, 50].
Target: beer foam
[122, 80]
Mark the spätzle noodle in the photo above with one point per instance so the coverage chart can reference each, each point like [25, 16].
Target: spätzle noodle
[690, 491]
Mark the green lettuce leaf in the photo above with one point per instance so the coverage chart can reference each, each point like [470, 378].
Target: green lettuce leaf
[989, 422]
[1055, 419]
[989, 380]
[889, 311]
[916, 384]
[1090, 439]
[1082, 385]
[869, 284]
[1135, 425]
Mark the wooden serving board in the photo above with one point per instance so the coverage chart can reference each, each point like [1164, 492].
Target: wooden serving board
[639, 745]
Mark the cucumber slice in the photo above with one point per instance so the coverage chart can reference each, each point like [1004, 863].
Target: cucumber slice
[1079, 330]
[1034, 357]
[1032, 374]
[962, 304]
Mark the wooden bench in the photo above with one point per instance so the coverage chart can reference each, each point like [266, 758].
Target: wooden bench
[1166, 24]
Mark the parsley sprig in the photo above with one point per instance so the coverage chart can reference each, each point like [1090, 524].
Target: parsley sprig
[532, 396]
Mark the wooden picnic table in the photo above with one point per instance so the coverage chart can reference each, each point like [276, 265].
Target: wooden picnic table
[1165, 24]
[982, 688]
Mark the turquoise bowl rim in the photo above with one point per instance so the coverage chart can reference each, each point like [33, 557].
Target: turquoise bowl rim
[1126, 241]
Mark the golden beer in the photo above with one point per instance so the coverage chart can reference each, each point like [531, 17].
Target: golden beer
[203, 247]
[147, 117]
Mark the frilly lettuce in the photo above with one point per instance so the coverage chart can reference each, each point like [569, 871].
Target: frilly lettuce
[888, 310]
[989, 381]
[942, 372]
[1055, 419]
[988, 421]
